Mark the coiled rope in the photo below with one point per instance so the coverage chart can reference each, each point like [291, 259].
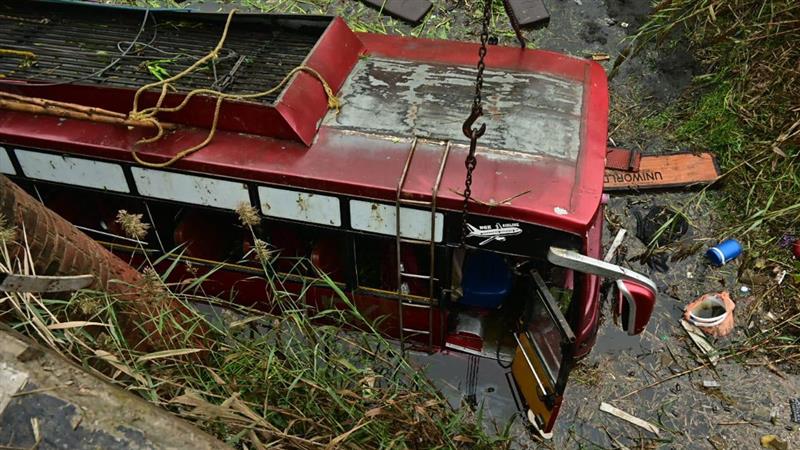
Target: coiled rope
[148, 115]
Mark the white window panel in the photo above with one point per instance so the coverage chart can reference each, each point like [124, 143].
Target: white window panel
[381, 218]
[190, 188]
[5, 163]
[302, 206]
[70, 170]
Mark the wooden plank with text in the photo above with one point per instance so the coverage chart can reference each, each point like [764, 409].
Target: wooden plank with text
[665, 171]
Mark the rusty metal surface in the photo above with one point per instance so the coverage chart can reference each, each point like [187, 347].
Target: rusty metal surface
[525, 112]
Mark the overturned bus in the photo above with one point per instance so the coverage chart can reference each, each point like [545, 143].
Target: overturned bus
[369, 191]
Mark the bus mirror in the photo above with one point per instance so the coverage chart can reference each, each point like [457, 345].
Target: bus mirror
[636, 293]
[634, 306]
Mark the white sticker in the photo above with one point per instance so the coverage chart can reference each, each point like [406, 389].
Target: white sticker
[497, 232]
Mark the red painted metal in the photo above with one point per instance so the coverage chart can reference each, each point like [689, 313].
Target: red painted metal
[645, 300]
[589, 318]
[557, 194]
[295, 115]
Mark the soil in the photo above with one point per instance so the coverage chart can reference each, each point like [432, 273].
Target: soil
[752, 400]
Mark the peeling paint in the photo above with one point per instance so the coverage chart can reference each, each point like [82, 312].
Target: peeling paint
[529, 113]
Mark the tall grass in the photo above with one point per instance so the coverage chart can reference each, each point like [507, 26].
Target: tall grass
[294, 378]
[746, 109]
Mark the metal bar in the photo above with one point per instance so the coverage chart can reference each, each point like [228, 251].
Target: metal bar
[398, 239]
[582, 263]
[415, 331]
[418, 276]
[417, 305]
[434, 194]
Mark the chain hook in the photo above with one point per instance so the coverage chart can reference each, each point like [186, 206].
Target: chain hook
[473, 133]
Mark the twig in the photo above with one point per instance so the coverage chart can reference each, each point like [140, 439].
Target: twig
[685, 372]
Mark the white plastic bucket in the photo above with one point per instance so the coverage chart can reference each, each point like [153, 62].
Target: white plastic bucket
[709, 303]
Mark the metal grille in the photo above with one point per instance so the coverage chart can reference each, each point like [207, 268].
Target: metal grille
[71, 46]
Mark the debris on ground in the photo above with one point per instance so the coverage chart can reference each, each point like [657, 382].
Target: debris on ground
[711, 384]
[661, 226]
[773, 442]
[623, 159]
[724, 252]
[794, 405]
[530, 13]
[711, 313]
[605, 407]
[666, 171]
[612, 250]
[697, 337]
[412, 11]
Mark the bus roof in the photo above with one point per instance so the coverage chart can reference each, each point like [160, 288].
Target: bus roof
[541, 160]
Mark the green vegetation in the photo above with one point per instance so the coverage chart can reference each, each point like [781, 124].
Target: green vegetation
[746, 109]
[290, 378]
[444, 21]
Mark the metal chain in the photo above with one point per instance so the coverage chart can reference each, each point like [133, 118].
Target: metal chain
[477, 110]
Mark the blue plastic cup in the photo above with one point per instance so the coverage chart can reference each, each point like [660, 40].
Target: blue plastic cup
[725, 251]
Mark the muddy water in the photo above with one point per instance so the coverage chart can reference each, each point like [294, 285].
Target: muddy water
[751, 400]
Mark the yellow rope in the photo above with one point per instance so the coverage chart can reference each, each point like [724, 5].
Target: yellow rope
[20, 53]
[149, 114]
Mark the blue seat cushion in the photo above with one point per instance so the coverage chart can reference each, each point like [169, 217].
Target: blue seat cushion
[486, 280]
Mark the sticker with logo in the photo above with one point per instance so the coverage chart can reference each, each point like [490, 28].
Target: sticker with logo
[497, 232]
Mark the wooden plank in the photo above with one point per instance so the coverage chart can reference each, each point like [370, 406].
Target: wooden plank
[665, 171]
[530, 12]
[623, 159]
[409, 10]
[605, 407]
[75, 409]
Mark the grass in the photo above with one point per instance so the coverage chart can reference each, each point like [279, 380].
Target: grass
[291, 378]
[444, 21]
[745, 109]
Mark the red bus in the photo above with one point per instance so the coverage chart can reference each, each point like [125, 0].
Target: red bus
[370, 192]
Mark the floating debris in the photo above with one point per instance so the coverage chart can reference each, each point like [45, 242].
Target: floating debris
[697, 337]
[605, 407]
[794, 405]
[712, 313]
[773, 442]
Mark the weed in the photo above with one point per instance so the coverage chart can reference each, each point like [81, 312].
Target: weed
[746, 110]
[296, 377]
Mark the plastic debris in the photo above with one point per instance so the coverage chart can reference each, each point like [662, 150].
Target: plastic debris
[615, 245]
[794, 405]
[711, 384]
[773, 442]
[697, 337]
[724, 252]
[605, 407]
[744, 289]
[712, 313]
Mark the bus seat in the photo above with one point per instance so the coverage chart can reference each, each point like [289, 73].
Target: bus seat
[487, 280]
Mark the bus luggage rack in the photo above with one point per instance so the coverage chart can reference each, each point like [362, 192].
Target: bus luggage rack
[126, 48]
[402, 301]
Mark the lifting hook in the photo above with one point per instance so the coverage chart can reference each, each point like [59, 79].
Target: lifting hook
[473, 133]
